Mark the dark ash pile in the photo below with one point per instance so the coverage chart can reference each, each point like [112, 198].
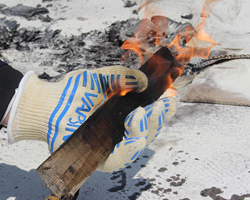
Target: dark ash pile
[74, 52]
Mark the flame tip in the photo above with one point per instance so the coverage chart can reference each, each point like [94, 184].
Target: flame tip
[196, 42]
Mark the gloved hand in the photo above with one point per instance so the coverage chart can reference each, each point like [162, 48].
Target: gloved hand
[51, 112]
[142, 126]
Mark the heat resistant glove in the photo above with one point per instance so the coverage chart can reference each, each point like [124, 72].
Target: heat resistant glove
[142, 126]
[53, 111]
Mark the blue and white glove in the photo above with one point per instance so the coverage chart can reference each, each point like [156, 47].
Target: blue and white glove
[142, 126]
[51, 112]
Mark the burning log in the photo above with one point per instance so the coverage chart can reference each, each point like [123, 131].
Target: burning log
[69, 166]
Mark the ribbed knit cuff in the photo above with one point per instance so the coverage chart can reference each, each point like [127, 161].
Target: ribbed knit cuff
[34, 102]
[11, 139]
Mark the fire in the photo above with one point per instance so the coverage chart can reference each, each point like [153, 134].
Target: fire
[197, 43]
[124, 92]
[170, 92]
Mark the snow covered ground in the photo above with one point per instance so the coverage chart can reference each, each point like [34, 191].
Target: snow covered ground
[201, 153]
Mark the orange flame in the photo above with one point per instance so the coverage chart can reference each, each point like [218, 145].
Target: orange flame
[197, 42]
[124, 92]
[171, 92]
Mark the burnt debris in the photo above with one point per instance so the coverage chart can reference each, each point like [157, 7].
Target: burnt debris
[8, 30]
[88, 50]
[24, 11]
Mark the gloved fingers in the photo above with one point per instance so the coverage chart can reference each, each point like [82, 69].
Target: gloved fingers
[141, 127]
[157, 113]
[124, 153]
[136, 124]
[122, 78]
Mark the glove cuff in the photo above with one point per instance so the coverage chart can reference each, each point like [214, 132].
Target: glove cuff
[18, 95]
[29, 114]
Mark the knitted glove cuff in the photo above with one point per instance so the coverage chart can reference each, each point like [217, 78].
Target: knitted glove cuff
[29, 113]
[11, 138]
